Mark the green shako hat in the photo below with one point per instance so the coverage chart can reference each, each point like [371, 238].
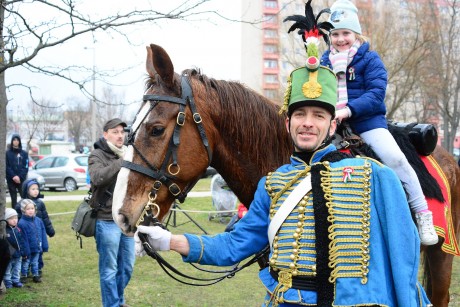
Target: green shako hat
[312, 84]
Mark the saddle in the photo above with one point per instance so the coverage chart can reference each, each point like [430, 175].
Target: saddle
[415, 140]
[423, 137]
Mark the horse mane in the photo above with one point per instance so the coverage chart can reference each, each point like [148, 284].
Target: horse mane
[246, 119]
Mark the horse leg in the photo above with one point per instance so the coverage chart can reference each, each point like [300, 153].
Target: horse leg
[440, 264]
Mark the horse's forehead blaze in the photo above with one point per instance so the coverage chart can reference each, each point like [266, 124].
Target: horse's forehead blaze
[139, 118]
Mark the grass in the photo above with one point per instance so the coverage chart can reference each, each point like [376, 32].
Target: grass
[70, 276]
[201, 186]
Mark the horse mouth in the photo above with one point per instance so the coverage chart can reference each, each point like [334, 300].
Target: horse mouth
[124, 223]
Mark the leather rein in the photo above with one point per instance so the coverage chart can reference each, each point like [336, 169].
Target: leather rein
[166, 175]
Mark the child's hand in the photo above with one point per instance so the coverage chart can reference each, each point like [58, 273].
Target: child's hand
[342, 114]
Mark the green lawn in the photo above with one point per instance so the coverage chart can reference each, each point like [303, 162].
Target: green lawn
[70, 275]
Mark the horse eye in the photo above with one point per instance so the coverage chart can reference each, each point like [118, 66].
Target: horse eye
[157, 131]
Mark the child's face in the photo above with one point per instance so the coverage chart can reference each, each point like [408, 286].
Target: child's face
[30, 210]
[13, 221]
[34, 191]
[342, 39]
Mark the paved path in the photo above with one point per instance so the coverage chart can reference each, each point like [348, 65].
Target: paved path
[80, 197]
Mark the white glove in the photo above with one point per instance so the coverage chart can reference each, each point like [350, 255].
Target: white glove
[157, 237]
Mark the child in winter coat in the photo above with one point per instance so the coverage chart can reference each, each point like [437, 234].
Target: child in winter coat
[35, 238]
[362, 82]
[30, 190]
[17, 249]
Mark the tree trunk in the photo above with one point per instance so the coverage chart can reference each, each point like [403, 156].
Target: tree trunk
[3, 104]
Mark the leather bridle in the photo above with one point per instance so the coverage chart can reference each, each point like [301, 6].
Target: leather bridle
[166, 174]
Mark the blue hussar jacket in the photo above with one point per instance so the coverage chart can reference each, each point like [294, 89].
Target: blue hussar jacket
[367, 220]
[366, 87]
[16, 239]
[34, 234]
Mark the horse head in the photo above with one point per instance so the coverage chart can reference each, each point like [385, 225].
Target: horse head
[168, 146]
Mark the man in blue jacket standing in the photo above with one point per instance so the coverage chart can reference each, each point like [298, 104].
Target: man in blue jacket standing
[17, 166]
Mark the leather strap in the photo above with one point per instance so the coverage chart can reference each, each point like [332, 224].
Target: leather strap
[288, 205]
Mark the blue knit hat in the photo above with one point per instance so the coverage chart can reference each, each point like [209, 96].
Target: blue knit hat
[344, 15]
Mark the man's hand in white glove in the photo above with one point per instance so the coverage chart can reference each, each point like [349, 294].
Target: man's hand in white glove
[158, 238]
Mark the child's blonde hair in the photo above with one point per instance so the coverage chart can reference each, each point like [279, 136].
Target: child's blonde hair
[25, 203]
[362, 39]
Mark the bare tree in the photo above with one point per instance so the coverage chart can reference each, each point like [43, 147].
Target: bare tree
[113, 106]
[441, 84]
[70, 20]
[77, 119]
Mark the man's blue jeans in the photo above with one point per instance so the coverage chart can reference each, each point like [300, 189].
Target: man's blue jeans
[116, 262]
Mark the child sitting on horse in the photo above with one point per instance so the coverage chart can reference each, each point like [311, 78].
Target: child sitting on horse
[362, 82]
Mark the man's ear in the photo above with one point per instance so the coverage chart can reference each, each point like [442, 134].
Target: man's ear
[287, 124]
[333, 127]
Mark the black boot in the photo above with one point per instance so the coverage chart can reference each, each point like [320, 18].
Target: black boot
[37, 279]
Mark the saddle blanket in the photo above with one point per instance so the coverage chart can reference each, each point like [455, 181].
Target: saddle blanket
[442, 216]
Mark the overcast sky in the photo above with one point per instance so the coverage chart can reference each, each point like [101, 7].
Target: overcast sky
[214, 47]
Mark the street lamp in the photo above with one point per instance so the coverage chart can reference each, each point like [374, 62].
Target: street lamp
[93, 100]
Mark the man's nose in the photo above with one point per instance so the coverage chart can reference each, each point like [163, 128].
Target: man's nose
[308, 120]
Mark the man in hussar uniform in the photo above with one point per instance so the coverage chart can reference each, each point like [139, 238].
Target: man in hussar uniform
[336, 225]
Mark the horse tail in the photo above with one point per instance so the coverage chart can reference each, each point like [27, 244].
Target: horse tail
[430, 186]
[426, 278]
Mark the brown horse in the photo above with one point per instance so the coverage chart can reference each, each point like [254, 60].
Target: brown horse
[190, 121]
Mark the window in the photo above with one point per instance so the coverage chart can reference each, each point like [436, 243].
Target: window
[271, 94]
[61, 161]
[82, 161]
[271, 79]
[45, 163]
[273, 19]
[270, 48]
[270, 64]
[269, 33]
[271, 4]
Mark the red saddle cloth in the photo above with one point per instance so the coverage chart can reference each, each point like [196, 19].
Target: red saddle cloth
[442, 217]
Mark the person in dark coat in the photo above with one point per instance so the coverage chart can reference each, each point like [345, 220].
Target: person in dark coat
[35, 238]
[17, 167]
[31, 190]
[17, 250]
[115, 249]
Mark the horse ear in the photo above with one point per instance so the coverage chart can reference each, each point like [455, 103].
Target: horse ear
[158, 62]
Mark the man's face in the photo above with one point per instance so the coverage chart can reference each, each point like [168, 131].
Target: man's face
[116, 136]
[15, 142]
[309, 127]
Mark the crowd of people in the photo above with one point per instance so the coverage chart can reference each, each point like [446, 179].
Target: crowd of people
[28, 228]
[353, 81]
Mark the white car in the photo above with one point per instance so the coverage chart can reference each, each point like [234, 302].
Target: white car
[66, 171]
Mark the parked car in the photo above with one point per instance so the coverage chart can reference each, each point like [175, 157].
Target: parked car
[66, 171]
[31, 174]
[34, 159]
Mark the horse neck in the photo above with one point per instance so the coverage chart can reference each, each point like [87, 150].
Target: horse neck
[249, 143]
